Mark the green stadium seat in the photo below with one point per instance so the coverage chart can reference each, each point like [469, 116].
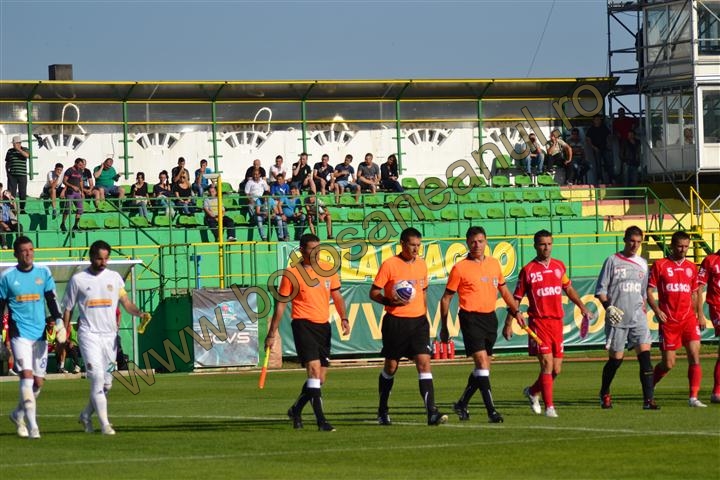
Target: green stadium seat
[472, 214]
[338, 215]
[500, 181]
[531, 196]
[511, 195]
[565, 210]
[428, 214]
[162, 221]
[523, 181]
[329, 200]
[188, 221]
[347, 201]
[112, 222]
[486, 196]
[456, 182]
[227, 188]
[495, 213]
[106, 207]
[503, 162]
[555, 194]
[238, 218]
[546, 181]
[467, 198]
[432, 183]
[373, 200]
[518, 211]
[127, 189]
[449, 214]
[139, 222]
[409, 183]
[355, 216]
[478, 181]
[87, 223]
[540, 211]
[406, 214]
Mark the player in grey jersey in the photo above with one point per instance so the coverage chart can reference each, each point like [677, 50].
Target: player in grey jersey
[622, 290]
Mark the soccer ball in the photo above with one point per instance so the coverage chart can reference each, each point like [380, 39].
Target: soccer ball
[404, 290]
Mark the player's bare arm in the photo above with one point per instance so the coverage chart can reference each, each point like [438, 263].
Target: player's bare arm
[652, 302]
[376, 295]
[575, 298]
[698, 303]
[339, 302]
[444, 312]
[274, 323]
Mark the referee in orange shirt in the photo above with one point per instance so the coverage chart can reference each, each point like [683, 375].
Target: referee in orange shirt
[476, 279]
[405, 327]
[310, 290]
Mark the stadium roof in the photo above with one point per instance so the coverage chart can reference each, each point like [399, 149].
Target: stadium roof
[289, 90]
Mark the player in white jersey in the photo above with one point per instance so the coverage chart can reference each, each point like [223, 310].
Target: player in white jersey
[96, 291]
[622, 290]
[23, 289]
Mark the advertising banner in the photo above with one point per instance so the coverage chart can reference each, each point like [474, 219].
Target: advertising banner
[222, 308]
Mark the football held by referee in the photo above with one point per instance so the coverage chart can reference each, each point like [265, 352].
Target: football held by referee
[405, 327]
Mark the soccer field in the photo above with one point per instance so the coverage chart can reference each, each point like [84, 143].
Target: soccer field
[223, 426]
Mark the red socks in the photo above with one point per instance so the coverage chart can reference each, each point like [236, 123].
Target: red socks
[658, 374]
[694, 378]
[546, 382]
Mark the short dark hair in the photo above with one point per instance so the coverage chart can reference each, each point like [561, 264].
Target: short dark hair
[307, 238]
[19, 241]
[181, 159]
[679, 235]
[472, 231]
[163, 172]
[409, 233]
[97, 246]
[632, 231]
[79, 160]
[59, 165]
[203, 161]
[540, 234]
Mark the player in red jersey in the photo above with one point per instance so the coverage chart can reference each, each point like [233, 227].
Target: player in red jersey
[543, 281]
[678, 310]
[710, 276]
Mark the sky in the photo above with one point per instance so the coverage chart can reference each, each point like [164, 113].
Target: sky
[303, 40]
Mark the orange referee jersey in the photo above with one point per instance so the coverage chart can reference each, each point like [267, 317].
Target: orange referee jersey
[476, 283]
[394, 270]
[311, 303]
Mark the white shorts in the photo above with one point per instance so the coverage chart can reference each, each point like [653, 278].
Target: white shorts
[618, 339]
[30, 355]
[99, 353]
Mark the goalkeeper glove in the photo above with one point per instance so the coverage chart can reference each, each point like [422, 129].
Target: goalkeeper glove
[144, 320]
[60, 331]
[614, 315]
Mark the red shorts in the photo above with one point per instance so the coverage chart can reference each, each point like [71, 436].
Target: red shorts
[715, 318]
[674, 335]
[550, 333]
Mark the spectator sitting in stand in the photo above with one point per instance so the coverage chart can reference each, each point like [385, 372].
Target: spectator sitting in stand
[105, 177]
[345, 179]
[368, 176]
[8, 218]
[302, 174]
[323, 175]
[292, 211]
[317, 212]
[53, 188]
[280, 188]
[73, 181]
[201, 183]
[139, 192]
[178, 171]
[184, 199]
[277, 169]
[389, 175]
[275, 211]
[212, 209]
[535, 157]
[89, 189]
[256, 166]
[259, 213]
[163, 191]
[560, 153]
[255, 186]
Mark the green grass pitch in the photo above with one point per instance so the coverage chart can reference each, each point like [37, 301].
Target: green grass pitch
[223, 426]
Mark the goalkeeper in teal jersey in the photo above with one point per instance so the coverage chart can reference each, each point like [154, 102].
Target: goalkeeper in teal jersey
[25, 289]
[622, 289]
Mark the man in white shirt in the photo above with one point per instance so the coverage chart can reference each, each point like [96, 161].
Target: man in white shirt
[54, 187]
[96, 292]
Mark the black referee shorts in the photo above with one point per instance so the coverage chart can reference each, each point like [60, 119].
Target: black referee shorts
[479, 331]
[405, 337]
[312, 341]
